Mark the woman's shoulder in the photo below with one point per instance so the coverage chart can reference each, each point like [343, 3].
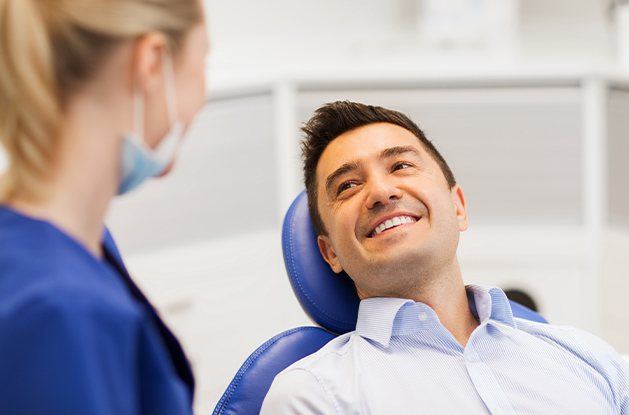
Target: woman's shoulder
[35, 253]
[43, 270]
[28, 244]
[56, 295]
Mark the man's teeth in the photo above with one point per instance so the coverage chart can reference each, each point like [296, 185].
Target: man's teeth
[393, 222]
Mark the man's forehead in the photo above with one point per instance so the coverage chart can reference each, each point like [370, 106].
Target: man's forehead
[364, 143]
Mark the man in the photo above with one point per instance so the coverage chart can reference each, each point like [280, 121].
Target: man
[388, 212]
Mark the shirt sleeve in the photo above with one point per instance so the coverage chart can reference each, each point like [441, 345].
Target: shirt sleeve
[64, 353]
[610, 364]
[298, 391]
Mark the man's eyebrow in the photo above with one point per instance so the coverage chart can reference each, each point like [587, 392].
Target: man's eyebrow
[354, 165]
[344, 169]
[396, 151]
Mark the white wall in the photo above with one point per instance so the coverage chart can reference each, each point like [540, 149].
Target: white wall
[566, 29]
[252, 38]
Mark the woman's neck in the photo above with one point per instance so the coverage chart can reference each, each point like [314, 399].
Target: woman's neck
[84, 179]
[74, 217]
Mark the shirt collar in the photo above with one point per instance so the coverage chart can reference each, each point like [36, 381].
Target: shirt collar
[489, 303]
[379, 318]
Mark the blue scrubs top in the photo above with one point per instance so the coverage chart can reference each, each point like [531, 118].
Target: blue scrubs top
[77, 336]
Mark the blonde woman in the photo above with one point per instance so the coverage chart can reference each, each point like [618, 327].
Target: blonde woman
[94, 98]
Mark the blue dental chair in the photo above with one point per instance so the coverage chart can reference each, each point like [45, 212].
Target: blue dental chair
[330, 300]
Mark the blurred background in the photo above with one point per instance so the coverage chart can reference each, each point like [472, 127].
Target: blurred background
[528, 100]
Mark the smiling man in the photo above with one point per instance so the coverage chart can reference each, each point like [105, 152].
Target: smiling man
[388, 212]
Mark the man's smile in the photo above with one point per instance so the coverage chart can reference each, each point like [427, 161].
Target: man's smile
[390, 222]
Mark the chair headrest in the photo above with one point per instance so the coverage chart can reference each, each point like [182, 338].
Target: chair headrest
[329, 299]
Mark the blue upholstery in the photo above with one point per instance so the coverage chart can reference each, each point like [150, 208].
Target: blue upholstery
[247, 390]
[526, 313]
[329, 299]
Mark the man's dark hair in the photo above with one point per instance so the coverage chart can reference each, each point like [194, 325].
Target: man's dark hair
[336, 118]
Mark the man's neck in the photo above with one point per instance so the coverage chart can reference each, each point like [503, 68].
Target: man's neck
[452, 307]
[443, 290]
[446, 295]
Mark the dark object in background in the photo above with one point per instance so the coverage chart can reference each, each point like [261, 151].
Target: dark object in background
[521, 297]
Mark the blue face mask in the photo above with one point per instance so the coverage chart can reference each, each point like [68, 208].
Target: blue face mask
[138, 162]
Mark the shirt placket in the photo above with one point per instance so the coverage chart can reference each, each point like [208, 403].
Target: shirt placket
[483, 379]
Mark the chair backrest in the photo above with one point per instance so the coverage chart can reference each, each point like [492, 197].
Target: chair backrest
[247, 390]
[329, 299]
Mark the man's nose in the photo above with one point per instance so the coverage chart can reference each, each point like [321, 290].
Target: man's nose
[381, 192]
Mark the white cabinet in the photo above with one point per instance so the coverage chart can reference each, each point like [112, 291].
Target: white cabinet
[542, 159]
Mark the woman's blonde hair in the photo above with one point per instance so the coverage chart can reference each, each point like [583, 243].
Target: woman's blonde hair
[48, 49]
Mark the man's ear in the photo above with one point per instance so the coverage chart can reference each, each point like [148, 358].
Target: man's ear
[460, 206]
[328, 254]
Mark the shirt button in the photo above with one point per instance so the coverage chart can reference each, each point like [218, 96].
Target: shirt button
[422, 316]
[471, 358]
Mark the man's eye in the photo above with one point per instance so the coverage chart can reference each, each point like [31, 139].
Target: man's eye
[401, 165]
[344, 186]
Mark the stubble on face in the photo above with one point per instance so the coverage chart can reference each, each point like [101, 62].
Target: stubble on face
[402, 258]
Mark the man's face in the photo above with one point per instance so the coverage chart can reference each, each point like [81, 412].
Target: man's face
[390, 216]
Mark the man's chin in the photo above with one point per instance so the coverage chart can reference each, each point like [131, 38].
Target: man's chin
[396, 258]
[393, 246]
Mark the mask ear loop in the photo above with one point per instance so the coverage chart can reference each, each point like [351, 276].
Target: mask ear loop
[138, 114]
[166, 149]
[171, 96]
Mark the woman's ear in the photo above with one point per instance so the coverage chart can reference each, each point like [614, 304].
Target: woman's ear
[460, 206]
[328, 254]
[148, 61]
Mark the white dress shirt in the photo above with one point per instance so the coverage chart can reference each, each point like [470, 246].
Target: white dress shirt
[402, 360]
